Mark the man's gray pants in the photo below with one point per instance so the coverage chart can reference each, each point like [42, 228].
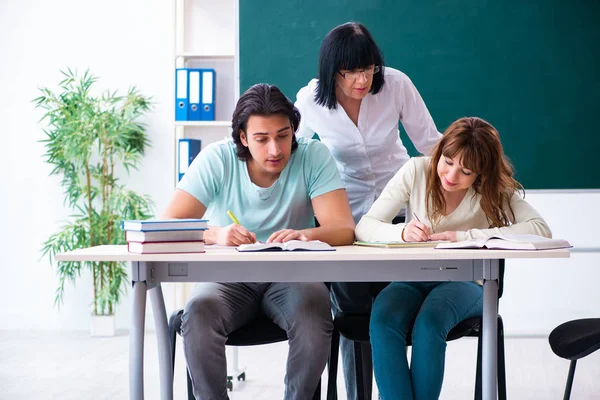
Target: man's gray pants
[216, 309]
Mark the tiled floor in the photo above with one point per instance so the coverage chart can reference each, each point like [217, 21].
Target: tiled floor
[53, 365]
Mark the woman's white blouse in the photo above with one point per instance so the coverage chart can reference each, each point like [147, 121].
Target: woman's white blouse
[368, 155]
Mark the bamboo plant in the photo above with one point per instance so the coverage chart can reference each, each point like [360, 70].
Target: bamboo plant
[90, 140]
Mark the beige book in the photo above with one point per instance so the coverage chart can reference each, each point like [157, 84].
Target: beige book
[509, 242]
[292, 245]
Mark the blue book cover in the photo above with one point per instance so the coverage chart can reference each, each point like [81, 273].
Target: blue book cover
[181, 94]
[165, 224]
[207, 108]
[187, 150]
[195, 93]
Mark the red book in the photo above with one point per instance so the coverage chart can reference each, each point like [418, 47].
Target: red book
[166, 247]
[164, 236]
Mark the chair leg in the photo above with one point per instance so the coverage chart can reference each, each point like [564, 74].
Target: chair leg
[333, 364]
[570, 380]
[172, 339]
[317, 394]
[478, 384]
[361, 388]
[368, 373]
[501, 361]
[190, 388]
[358, 371]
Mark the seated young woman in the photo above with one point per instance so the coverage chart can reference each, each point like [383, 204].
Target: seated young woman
[465, 190]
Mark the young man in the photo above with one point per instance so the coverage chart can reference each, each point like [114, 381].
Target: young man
[275, 185]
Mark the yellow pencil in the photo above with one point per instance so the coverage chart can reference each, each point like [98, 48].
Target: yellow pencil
[233, 218]
[236, 221]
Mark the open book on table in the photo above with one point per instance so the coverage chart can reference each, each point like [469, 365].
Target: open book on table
[431, 243]
[292, 245]
[509, 242]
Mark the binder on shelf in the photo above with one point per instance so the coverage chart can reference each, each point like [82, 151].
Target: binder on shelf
[187, 150]
[208, 95]
[181, 94]
[195, 90]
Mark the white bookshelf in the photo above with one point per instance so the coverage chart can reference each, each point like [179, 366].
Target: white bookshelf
[206, 36]
[214, 57]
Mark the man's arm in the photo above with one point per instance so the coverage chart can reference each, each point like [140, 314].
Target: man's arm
[332, 210]
[184, 205]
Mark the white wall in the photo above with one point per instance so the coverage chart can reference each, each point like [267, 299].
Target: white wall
[130, 42]
[123, 42]
[541, 294]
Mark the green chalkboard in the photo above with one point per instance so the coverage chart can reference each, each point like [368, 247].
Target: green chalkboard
[531, 68]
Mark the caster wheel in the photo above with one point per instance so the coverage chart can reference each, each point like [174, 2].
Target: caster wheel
[242, 376]
[230, 386]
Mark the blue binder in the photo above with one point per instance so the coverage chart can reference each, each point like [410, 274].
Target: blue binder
[208, 95]
[181, 94]
[187, 150]
[195, 85]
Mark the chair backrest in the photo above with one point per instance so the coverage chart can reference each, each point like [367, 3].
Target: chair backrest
[576, 339]
[259, 330]
[501, 278]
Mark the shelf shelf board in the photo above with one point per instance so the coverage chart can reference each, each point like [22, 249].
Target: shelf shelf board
[214, 57]
[226, 124]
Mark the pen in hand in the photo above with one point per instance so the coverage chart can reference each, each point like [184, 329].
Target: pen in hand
[237, 222]
[232, 217]
[417, 218]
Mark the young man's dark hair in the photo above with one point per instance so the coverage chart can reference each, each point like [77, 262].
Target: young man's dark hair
[262, 100]
[347, 47]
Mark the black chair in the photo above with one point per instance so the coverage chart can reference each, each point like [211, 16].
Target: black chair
[356, 328]
[260, 330]
[574, 340]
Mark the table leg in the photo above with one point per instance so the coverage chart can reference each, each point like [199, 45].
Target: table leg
[164, 348]
[490, 339]
[136, 342]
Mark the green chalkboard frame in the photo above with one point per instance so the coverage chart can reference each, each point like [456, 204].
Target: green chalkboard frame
[530, 68]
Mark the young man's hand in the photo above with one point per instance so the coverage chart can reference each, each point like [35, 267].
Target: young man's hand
[234, 235]
[286, 235]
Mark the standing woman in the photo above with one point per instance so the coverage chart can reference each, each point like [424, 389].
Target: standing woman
[466, 190]
[354, 107]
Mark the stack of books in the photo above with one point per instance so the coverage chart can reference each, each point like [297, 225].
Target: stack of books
[165, 236]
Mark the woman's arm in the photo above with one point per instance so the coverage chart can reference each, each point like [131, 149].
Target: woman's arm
[526, 221]
[376, 224]
[416, 119]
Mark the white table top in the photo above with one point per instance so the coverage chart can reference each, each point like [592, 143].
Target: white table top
[342, 253]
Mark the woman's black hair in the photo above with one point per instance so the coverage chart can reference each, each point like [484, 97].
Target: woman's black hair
[347, 47]
[263, 100]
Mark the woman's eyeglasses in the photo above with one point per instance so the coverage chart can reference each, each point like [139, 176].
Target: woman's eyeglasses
[354, 75]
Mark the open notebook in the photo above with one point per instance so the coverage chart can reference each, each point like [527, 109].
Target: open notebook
[509, 242]
[292, 245]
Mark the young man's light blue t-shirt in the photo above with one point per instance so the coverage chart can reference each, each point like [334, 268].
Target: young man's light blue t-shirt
[220, 181]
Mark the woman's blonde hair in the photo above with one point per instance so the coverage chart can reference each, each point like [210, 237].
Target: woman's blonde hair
[478, 144]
